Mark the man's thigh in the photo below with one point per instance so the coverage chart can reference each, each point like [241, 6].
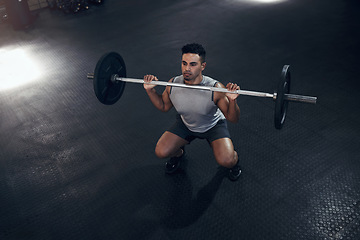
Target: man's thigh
[223, 150]
[169, 143]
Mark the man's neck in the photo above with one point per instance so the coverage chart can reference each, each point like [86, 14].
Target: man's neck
[197, 80]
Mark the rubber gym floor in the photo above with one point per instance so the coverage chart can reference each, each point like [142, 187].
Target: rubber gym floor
[73, 168]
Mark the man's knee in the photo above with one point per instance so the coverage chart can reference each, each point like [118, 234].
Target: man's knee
[161, 152]
[227, 160]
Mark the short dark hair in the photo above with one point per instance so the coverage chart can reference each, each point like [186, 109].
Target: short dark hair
[195, 48]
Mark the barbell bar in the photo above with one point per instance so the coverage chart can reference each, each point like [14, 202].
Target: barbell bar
[288, 97]
[109, 80]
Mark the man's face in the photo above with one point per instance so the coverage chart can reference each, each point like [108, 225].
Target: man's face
[191, 66]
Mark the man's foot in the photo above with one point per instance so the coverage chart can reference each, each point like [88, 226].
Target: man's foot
[173, 163]
[235, 172]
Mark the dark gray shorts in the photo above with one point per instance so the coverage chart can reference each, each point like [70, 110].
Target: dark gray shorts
[220, 130]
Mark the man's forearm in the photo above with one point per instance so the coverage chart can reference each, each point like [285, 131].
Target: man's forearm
[233, 111]
[155, 98]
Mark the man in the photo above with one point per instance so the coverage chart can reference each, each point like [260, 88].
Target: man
[202, 113]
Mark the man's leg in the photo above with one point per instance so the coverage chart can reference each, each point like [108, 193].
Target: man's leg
[224, 152]
[226, 156]
[169, 145]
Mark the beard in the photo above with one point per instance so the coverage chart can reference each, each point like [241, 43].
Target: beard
[187, 76]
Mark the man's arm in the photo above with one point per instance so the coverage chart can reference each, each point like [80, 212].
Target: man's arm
[227, 102]
[161, 102]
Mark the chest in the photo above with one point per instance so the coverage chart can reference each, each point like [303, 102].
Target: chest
[187, 101]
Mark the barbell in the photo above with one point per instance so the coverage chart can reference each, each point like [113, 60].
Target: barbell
[109, 80]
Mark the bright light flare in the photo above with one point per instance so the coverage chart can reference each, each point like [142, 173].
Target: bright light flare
[268, 1]
[16, 68]
[262, 1]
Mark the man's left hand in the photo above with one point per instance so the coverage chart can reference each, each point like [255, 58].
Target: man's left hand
[232, 87]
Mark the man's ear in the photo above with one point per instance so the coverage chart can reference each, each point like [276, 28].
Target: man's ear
[203, 65]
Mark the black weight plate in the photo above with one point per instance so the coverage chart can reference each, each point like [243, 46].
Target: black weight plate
[281, 104]
[106, 91]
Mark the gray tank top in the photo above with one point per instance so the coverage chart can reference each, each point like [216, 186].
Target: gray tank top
[196, 107]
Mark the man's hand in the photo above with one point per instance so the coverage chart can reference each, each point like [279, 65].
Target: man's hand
[147, 79]
[232, 87]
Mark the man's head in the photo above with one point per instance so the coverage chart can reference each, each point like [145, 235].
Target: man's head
[193, 62]
[196, 49]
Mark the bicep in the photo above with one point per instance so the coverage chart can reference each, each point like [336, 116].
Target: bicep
[166, 98]
[221, 100]
[223, 103]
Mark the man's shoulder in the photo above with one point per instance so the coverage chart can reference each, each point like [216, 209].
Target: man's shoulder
[209, 81]
[178, 79]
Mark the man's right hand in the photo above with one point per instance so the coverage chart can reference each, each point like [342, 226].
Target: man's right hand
[147, 80]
